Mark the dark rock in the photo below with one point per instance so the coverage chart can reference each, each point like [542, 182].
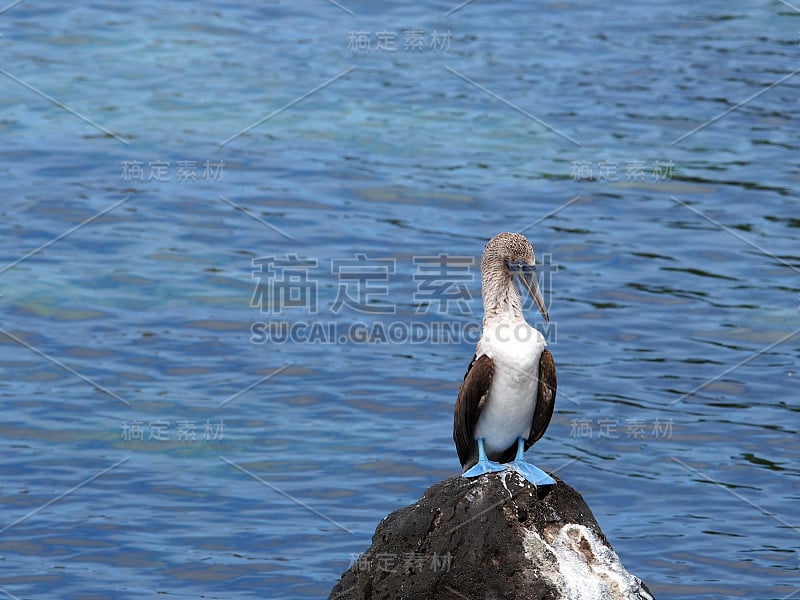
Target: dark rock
[491, 537]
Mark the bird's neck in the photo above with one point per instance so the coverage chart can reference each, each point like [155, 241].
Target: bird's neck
[501, 299]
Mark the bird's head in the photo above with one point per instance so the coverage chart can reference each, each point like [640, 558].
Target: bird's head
[515, 253]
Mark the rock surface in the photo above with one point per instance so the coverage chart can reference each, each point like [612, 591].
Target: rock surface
[492, 537]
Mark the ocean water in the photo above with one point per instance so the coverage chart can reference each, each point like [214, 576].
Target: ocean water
[240, 288]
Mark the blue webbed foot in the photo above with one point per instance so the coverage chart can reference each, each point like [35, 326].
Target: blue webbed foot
[484, 465]
[533, 474]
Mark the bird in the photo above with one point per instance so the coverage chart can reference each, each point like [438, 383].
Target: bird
[506, 400]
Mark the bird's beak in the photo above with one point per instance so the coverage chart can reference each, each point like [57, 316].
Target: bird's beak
[526, 273]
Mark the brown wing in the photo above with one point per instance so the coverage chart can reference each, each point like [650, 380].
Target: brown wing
[469, 404]
[546, 398]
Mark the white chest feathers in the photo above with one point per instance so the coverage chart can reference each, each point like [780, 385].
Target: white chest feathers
[515, 349]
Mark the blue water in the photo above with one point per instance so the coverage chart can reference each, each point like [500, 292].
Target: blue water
[154, 441]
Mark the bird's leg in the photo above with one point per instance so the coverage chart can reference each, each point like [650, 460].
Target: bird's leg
[484, 465]
[533, 474]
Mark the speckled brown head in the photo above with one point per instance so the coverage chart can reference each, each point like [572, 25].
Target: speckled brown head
[509, 255]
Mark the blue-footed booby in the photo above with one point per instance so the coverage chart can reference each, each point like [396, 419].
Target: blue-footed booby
[506, 400]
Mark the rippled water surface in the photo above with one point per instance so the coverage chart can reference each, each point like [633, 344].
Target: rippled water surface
[175, 175]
